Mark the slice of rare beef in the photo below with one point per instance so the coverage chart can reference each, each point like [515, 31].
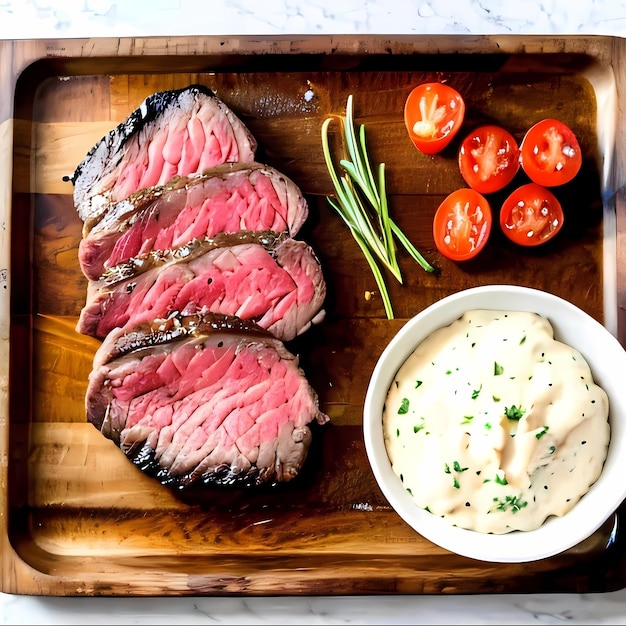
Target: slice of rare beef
[226, 198]
[204, 399]
[177, 132]
[265, 277]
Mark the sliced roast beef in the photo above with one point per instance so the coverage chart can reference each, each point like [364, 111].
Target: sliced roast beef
[227, 198]
[203, 399]
[266, 277]
[177, 132]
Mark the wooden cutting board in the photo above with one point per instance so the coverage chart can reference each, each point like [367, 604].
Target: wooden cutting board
[78, 518]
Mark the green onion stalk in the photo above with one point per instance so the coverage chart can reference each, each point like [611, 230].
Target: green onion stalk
[361, 201]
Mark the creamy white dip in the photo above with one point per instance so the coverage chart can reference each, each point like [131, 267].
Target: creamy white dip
[494, 425]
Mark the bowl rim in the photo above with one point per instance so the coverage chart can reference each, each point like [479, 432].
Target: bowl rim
[557, 534]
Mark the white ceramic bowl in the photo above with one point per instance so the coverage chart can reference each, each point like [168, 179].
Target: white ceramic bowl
[607, 360]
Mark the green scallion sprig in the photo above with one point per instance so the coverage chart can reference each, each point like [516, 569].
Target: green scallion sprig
[361, 201]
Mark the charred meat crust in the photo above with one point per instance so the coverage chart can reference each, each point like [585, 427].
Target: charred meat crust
[271, 279]
[270, 240]
[218, 402]
[191, 395]
[92, 198]
[227, 197]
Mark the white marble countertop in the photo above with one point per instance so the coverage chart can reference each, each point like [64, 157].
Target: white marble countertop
[29, 19]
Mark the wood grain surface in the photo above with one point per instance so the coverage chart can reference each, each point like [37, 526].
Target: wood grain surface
[82, 520]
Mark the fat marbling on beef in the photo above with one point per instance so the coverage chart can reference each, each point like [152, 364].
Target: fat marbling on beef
[228, 198]
[203, 399]
[266, 277]
[175, 132]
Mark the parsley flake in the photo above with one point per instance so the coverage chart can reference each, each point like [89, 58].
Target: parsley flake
[514, 412]
[512, 503]
[404, 407]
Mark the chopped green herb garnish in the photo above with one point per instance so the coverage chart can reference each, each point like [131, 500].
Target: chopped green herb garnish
[498, 370]
[514, 412]
[542, 432]
[476, 392]
[418, 383]
[512, 503]
[522, 340]
[501, 478]
[467, 419]
[495, 398]
[404, 407]
[457, 468]
[419, 427]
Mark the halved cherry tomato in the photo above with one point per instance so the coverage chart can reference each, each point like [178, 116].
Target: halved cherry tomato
[550, 153]
[488, 158]
[462, 224]
[531, 215]
[433, 114]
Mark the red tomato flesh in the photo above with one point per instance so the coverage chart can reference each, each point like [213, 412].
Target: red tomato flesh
[433, 114]
[550, 153]
[531, 215]
[488, 158]
[462, 224]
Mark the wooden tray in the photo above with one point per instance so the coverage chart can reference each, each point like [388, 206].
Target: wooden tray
[76, 517]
